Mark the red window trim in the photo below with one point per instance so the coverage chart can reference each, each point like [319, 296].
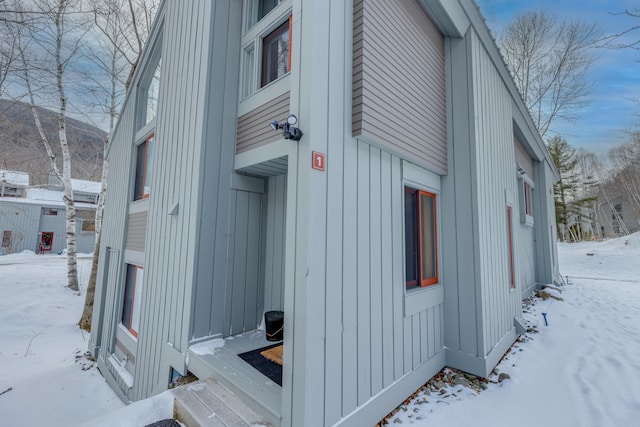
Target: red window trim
[133, 300]
[527, 199]
[144, 169]
[430, 280]
[512, 277]
[266, 40]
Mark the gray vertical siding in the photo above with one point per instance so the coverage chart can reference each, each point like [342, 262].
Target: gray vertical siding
[398, 80]
[22, 220]
[180, 123]
[496, 186]
[253, 127]
[349, 277]
[275, 224]
[245, 285]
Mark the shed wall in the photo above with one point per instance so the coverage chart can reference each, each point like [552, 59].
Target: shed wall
[22, 220]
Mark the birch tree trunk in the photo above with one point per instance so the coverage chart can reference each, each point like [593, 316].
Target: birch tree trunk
[56, 14]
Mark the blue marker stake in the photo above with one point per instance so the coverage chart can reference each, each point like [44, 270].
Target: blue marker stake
[545, 319]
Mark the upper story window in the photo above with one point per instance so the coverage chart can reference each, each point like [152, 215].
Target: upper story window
[525, 196]
[258, 9]
[50, 211]
[266, 54]
[149, 91]
[144, 156]
[147, 110]
[276, 56]
[421, 248]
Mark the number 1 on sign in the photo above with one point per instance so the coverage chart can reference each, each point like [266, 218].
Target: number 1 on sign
[317, 160]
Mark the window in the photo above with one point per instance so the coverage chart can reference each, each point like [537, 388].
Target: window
[132, 294]
[88, 226]
[248, 86]
[276, 56]
[512, 276]
[258, 9]
[144, 157]
[527, 199]
[6, 239]
[420, 238]
[50, 211]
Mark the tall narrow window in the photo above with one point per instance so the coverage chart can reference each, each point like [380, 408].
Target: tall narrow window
[276, 60]
[132, 294]
[421, 250]
[512, 275]
[527, 199]
[248, 78]
[6, 238]
[152, 92]
[144, 158]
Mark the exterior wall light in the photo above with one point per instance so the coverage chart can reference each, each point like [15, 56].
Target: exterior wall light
[288, 130]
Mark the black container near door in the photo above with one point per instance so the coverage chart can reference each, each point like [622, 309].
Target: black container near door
[274, 325]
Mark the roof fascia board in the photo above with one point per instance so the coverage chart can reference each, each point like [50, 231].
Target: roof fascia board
[448, 16]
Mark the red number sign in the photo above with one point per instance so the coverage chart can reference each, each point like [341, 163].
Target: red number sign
[317, 160]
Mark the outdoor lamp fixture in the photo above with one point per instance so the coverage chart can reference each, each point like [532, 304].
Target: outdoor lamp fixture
[288, 130]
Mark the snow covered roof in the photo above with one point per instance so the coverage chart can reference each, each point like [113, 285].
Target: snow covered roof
[86, 186]
[17, 179]
[44, 197]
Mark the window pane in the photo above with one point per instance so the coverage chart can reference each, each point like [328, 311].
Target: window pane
[249, 67]
[140, 174]
[259, 9]
[411, 236]
[135, 311]
[147, 167]
[127, 304]
[275, 52]
[152, 94]
[6, 239]
[428, 237]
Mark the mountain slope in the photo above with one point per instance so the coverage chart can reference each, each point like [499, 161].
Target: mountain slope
[21, 148]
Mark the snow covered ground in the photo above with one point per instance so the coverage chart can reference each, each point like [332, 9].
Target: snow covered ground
[583, 369]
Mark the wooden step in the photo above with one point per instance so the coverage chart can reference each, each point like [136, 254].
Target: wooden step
[209, 403]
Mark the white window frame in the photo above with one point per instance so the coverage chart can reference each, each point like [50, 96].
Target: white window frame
[252, 40]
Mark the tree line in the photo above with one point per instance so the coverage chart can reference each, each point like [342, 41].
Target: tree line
[550, 60]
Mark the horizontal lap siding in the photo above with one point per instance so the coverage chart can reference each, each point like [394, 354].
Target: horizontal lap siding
[136, 231]
[254, 128]
[398, 80]
[496, 185]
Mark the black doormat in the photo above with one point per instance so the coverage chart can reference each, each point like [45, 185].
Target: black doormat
[266, 367]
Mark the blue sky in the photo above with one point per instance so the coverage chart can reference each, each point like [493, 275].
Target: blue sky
[615, 74]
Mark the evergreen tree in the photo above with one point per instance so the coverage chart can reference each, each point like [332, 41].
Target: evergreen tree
[573, 192]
